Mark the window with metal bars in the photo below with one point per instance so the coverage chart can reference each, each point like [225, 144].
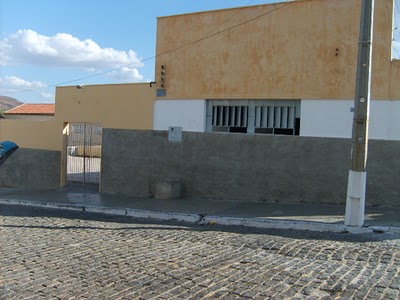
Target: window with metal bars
[254, 116]
[275, 119]
[229, 118]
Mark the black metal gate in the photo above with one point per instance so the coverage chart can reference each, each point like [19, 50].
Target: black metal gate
[84, 154]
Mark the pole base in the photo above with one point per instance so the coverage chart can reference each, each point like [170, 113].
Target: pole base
[355, 201]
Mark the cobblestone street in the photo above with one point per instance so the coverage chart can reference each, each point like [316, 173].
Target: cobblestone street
[48, 254]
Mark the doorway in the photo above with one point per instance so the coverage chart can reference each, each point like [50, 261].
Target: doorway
[84, 155]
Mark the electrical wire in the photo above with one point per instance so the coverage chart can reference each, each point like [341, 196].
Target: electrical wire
[227, 29]
[168, 51]
[152, 57]
[219, 25]
[175, 49]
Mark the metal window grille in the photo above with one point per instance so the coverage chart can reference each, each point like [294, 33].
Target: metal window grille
[254, 116]
[233, 116]
[275, 117]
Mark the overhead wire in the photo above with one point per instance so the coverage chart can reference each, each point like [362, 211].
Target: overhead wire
[142, 60]
[168, 51]
[209, 32]
[226, 29]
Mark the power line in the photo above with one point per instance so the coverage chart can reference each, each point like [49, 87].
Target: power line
[219, 25]
[155, 56]
[227, 29]
[169, 51]
[82, 78]
[166, 52]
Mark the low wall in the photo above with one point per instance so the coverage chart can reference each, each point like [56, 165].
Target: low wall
[46, 135]
[245, 167]
[31, 169]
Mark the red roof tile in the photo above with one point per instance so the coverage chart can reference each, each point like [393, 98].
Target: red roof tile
[33, 109]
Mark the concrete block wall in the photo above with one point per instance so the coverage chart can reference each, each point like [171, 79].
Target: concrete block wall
[31, 169]
[245, 167]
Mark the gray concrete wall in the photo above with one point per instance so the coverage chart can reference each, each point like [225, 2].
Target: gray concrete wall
[31, 169]
[245, 167]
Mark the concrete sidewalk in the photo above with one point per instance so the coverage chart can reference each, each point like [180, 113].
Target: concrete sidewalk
[208, 211]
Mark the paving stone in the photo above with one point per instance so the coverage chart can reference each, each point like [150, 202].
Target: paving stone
[72, 255]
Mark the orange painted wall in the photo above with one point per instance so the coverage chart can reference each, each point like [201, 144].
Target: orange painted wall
[298, 50]
[124, 106]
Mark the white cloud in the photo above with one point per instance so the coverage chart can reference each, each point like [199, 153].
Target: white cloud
[12, 84]
[126, 74]
[65, 50]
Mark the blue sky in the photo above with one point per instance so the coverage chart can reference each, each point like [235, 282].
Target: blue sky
[49, 42]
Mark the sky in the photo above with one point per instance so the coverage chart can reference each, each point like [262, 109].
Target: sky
[48, 43]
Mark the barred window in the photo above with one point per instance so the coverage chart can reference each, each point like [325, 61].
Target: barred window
[229, 118]
[254, 116]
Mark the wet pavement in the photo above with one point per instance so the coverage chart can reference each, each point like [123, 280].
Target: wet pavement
[319, 213]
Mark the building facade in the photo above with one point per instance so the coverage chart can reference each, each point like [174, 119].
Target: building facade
[285, 68]
[79, 115]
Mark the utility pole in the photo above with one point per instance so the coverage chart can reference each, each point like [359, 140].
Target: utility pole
[355, 202]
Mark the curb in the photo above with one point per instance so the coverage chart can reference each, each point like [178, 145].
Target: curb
[135, 213]
[210, 220]
[274, 224]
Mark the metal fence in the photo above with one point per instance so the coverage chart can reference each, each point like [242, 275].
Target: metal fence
[84, 153]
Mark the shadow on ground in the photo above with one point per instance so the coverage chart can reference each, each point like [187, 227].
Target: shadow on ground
[129, 223]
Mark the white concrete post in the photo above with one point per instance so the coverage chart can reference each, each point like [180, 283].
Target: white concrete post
[355, 202]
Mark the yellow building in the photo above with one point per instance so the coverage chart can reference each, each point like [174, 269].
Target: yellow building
[124, 106]
[284, 68]
[45, 151]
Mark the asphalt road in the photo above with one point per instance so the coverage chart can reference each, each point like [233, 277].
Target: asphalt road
[50, 254]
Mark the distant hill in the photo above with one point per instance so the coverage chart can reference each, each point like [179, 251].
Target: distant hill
[7, 103]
